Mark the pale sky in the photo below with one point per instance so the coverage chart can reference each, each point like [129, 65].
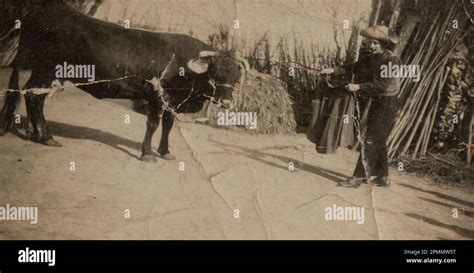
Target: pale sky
[310, 20]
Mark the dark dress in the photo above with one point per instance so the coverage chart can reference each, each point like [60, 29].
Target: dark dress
[328, 129]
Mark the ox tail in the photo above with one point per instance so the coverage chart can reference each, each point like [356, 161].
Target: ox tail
[12, 99]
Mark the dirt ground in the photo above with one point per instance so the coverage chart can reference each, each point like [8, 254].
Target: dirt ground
[225, 173]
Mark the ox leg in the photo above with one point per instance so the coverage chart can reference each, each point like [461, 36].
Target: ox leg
[152, 123]
[11, 102]
[36, 129]
[167, 124]
[40, 132]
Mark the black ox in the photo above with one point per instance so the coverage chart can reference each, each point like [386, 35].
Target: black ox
[52, 32]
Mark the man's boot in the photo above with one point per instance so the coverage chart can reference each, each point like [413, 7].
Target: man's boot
[381, 181]
[354, 182]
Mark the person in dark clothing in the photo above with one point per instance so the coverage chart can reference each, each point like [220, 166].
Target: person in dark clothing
[378, 91]
[330, 126]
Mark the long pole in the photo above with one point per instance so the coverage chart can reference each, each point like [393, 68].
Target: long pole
[359, 113]
[359, 134]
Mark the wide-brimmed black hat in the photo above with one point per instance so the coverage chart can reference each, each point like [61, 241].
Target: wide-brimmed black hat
[381, 33]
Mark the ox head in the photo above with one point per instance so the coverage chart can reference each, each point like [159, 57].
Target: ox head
[223, 70]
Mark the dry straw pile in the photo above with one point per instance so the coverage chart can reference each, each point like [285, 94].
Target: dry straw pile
[265, 95]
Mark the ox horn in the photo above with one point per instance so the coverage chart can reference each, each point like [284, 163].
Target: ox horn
[205, 54]
[244, 64]
[201, 64]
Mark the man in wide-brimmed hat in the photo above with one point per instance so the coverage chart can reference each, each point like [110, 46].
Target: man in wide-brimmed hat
[378, 92]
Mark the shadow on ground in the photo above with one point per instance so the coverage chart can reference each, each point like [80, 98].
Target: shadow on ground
[81, 132]
[459, 230]
[440, 195]
[259, 156]
[465, 211]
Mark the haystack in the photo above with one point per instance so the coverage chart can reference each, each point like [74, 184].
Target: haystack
[265, 95]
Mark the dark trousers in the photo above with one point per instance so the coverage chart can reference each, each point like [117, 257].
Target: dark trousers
[381, 116]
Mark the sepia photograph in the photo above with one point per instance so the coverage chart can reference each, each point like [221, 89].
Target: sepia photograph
[236, 120]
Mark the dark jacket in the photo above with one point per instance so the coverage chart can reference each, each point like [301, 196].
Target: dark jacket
[368, 74]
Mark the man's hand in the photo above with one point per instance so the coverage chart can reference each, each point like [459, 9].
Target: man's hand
[351, 87]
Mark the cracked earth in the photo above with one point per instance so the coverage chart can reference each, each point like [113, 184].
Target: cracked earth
[226, 174]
